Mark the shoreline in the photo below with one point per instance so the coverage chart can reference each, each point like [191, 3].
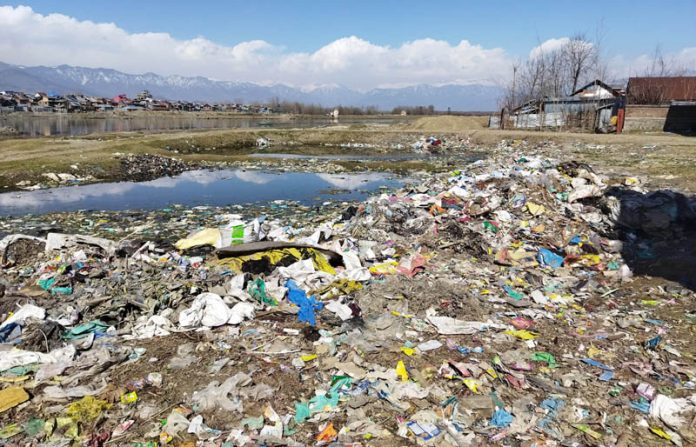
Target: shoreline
[666, 158]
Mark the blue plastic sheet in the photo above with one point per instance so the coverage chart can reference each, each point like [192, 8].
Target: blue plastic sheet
[548, 258]
[548, 423]
[596, 364]
[307, 305]
[606, 376]
[501, 418]
[10, 332]
[653, 342]
[552, 405]
[642, 405]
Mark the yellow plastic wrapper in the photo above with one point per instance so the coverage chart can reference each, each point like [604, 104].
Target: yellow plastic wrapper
[87, 409]
[129, 398]
[275, 256]
[535, 209]
[472, 385]
[328, 434]
[385, 268]
[208, 236]
[408, 351]
[661, 433]
[587, 430]
[339, 287]
[590, 259]
[68, 426]
[11, 397]
[592, 352]
[401, 371]
[9, 431]
[522, 334]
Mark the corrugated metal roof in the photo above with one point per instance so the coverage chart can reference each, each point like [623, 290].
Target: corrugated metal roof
[646, 90]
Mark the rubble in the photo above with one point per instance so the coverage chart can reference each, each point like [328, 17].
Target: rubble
[142, 167]
[489, 305]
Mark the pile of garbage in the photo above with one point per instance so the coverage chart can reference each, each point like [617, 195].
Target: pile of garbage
[436, 145]
[143, 167]
[491, 305]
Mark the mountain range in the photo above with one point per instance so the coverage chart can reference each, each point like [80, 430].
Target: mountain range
[106, 82]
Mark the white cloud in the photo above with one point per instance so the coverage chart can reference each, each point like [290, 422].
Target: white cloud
[620, 66]
[257, 178]
[30, 38]
[350, 182]
[682, 62]
[548, 46]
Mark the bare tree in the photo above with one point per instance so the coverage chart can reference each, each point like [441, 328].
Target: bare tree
[580, 55]
[556, 72]
[651, 89]
[661, 65]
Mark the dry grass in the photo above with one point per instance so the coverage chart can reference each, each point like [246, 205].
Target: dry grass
[448, 123]
[666, 158]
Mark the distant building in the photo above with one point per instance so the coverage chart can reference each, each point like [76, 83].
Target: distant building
[120, 100]
[661, 90]
[595, 106]
[145, 95]
[41, 99]
[103, 107]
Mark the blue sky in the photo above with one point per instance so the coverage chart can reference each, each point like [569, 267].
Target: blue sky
[358, 43]
[630, 27]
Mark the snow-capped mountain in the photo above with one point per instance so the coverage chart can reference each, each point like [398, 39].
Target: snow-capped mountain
[107, 82]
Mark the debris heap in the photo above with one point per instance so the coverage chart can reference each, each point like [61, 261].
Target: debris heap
[492, 305]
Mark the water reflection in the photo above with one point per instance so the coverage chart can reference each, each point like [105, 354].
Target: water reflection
[195, 188]
[76, 124]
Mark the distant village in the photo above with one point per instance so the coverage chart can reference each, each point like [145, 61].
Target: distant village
[11, 101]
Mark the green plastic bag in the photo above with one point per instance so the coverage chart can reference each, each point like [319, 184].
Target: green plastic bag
[257, 290]
[545, 357]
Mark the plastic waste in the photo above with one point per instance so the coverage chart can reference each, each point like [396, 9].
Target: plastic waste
[225, 396]
[452, 326]
[501, 418]
[11, 397]
[308, 305]
[548, 258]
[209, 310]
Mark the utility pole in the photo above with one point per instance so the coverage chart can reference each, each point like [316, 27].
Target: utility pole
[514, 79]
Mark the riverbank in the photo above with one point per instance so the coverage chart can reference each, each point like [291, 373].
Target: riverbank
[666, 159]
[36, 125]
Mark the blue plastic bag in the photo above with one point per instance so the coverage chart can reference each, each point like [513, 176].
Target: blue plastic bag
[548, 258]
[307, 305]
[501, 418]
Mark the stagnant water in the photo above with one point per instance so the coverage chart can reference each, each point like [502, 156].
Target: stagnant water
[200, 187]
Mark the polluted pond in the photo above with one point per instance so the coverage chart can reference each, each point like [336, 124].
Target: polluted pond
[491, 305]
[198, 187]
